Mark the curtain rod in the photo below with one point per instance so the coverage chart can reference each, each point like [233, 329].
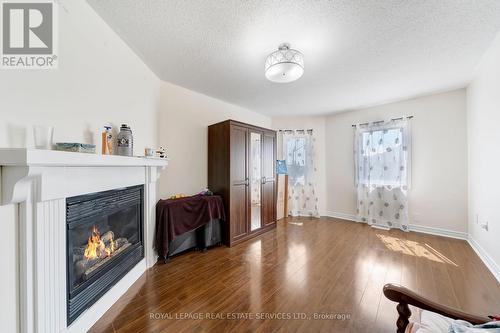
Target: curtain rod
[297, 130]
[381, 121]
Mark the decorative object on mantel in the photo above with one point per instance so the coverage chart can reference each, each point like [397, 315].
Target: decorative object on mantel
[75, 147]
[155, 153]
[161, 152]
[125, 141]
[107, 140]
[43, 136]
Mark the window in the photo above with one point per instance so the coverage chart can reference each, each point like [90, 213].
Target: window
[296, 159]
[382, 156]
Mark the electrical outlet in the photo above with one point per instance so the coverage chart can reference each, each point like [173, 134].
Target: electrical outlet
[484, 225]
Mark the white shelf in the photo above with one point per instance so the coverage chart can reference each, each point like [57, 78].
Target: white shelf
[39, 157]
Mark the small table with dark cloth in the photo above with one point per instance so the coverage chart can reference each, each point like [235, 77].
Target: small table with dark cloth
[177, 216]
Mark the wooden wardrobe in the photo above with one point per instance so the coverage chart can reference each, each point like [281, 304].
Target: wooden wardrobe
[241, 168]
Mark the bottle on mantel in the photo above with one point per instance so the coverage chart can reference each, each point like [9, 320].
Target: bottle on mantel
[125, 141]
[107, 140]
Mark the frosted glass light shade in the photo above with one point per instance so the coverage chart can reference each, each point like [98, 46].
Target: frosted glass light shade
[284, 65]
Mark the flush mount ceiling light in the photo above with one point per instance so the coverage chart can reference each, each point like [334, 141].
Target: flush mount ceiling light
[284, 65]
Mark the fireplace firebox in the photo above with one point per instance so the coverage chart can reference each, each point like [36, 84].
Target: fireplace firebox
[104, 242]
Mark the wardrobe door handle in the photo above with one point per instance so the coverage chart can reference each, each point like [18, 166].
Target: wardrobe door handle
[247, 182]
[263, 180]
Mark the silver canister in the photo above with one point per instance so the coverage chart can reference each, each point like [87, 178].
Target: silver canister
[125, 141]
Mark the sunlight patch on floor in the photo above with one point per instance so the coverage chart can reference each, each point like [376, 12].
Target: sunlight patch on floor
[414, 248]
[296, 223]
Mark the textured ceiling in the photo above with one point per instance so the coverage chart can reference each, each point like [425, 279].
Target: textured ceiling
[357, 53]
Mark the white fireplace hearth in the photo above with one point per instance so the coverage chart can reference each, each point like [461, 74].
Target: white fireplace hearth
[39, 182]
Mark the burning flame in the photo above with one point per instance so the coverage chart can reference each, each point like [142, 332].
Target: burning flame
[96, 248]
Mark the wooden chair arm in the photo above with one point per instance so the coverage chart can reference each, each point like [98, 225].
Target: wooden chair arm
[404, 297]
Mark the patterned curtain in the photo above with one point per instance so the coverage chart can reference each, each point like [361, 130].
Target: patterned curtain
[300, 156]
[382, 153]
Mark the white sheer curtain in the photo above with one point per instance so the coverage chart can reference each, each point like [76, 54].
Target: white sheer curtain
[382, 153]
[300, 156]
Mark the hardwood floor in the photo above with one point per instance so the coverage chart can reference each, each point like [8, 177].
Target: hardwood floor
[304, 266]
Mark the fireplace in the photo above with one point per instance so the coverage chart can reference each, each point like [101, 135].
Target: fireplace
[104, 242]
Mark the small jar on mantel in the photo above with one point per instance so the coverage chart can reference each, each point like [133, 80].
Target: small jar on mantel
[125, 141]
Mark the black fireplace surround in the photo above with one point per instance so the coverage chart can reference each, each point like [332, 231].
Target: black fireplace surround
[104, 242]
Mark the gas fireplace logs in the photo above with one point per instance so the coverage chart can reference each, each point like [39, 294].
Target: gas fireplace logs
[98, 251]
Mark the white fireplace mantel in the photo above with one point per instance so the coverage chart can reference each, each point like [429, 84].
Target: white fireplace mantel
[39, 181]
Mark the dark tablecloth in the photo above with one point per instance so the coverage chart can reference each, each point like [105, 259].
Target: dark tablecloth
[177, 216]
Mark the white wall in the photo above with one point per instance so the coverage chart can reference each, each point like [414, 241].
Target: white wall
[317, 124]
[438, 197]
[99, 80]
[183, 122]
[483, 120]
